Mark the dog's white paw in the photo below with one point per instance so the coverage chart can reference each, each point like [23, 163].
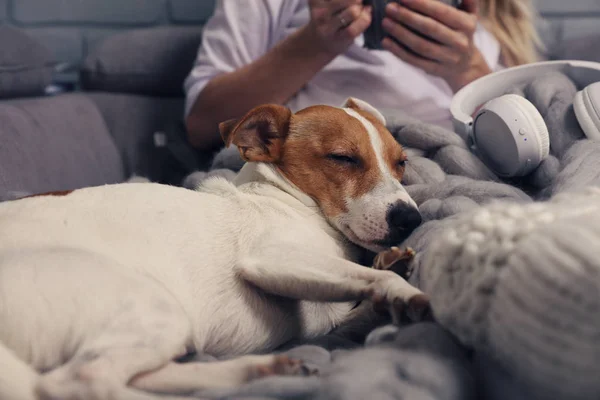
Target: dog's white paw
[396, 260]
[399, 298]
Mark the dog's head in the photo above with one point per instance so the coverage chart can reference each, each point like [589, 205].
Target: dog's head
[344, 158]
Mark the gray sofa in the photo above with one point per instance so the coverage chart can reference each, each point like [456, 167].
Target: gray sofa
[112, 128]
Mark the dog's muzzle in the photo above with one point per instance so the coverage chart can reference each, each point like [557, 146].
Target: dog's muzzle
[402, 220]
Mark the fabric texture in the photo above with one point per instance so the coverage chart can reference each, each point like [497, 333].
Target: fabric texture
[56, 143]
[522, 283]
[530, 278]
[420, 362]
[512, 268]
[143, 61]
[134, 121]
[239, 32]
[25, 65]
[583, 47]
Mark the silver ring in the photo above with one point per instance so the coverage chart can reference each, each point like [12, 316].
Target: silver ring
[343, 22]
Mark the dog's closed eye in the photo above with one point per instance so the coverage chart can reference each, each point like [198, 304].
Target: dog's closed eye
[343, 159]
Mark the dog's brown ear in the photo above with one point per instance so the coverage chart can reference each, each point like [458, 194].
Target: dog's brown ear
[260, 134]
[226, 128]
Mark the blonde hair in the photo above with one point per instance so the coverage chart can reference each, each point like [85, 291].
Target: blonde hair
[512, 22]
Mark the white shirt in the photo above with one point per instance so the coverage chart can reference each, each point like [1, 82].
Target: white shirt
[240, 31]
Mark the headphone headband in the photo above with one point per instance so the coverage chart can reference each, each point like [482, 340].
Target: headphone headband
[494, 85]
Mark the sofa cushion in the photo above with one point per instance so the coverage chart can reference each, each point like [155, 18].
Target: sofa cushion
[144, 61]
[133, 121]
[55, 143]
[25, 65]
[585, 48]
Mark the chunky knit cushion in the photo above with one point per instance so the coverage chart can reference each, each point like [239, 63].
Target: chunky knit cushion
[522, 282]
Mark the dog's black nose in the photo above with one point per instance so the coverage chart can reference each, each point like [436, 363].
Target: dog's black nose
[403, 219]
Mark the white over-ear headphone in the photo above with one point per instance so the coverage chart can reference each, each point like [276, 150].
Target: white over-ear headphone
[508, 133]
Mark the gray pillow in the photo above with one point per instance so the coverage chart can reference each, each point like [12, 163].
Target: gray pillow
[55, 143]
[152, 61]
[25, 65]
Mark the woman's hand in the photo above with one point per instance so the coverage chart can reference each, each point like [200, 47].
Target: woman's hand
[334, 24]
[451, 54]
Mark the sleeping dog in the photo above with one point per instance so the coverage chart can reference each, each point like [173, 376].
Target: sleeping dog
[103, 289]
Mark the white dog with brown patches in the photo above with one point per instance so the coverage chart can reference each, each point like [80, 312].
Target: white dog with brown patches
[102, 289]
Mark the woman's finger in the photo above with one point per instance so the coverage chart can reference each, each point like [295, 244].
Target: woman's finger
[324, 10]
[430, 67]
[425, 48]
[347, 17]
[337, 6]
[359, 25]
[470, 6]
[453, 18]
[427, 26]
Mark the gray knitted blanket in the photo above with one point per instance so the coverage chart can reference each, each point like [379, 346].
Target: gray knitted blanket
[513, 269]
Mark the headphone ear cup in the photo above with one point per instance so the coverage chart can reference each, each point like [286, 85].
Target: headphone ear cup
[587, 110]
[535, 121]
[510, 135]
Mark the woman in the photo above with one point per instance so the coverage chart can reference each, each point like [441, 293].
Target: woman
[305, 52]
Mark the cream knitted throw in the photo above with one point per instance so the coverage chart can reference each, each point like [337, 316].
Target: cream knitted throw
[523, 283]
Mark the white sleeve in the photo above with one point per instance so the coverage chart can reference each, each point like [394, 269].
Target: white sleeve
[239, 32]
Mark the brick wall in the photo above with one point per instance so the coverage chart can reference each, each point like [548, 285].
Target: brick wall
[71, 28]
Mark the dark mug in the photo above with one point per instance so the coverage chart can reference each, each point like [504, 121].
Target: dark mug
[375, 33]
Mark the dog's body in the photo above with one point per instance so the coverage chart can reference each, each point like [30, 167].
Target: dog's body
[189, 260]
[106, 286]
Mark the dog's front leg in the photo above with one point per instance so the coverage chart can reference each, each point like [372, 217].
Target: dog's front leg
[293, 272]
[364, 318]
